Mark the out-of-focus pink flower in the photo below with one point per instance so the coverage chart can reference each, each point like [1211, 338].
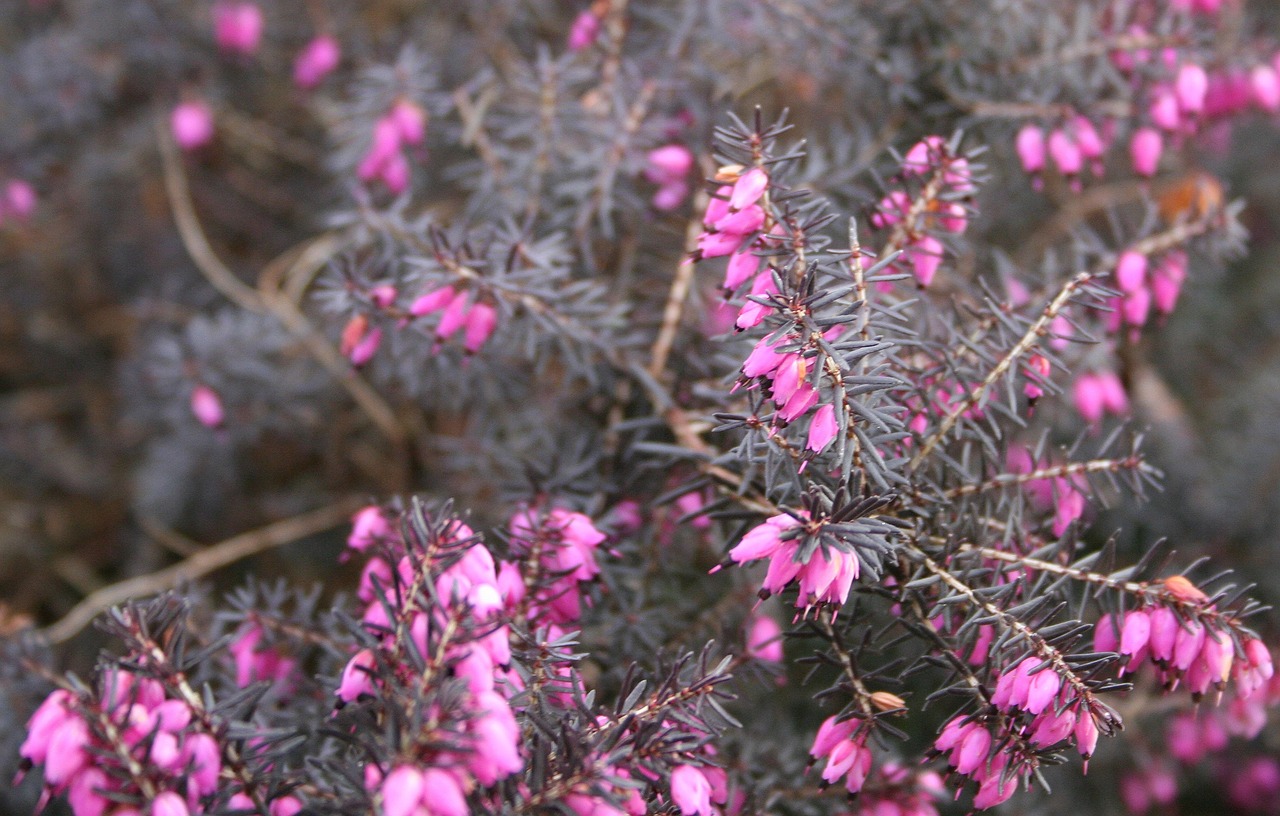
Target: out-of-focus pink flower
[691, 791]
[583, 32]
[237, 27]
[315, 61]
[206, 406]
[19, 200]
[764, 638]
[192, 124]
[1145, 149]
[1190, 87]
[925, 256]
[1030, 147]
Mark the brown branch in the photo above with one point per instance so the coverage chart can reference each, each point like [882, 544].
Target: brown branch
[1055, 472]
[678, 293]
[202, 563]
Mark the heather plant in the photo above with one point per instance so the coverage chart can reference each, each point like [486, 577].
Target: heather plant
[728, 407]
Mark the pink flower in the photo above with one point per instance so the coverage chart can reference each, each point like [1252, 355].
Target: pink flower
[1164, 110]
[925, 256]
[192, 124]
[923, 155]
[823, 428]
[1145, 150]
[1265, 84]
[1131, 271]
[1087, 395]
[691, 791]
[748, 189]
[764, 639]
[316, 61]
[237, 27]
[1190, 87]
[764, 540]
[1167, 280]
[432, 301]
[583, 32]
[670, 195]
[204, 757]
[480, 324]
[1065, 153]
[410, 121]
[401, 791]
[442, 793]
[356, 678]
[169, 804]
[206, 406]
[19, 200]
[667, 164]
[1030, 147]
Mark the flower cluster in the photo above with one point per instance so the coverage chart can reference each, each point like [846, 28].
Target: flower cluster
[133, 738]
[402, 127]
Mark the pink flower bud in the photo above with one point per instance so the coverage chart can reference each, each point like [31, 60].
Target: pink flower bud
[169, 804]
[1104, 635]
[1042, 689]
[1136, 632]
[925, 257]
[1086, 734]
[284, 806]
[1190, 86]
[1087, 395]
[432, 301]
[743, 222]
[668, 163]
[85, 793]
[395, 173]
[1137, 307]
[1164, 634]
[1031, 148]
[442, 793]
[1265, 84]
[763, 360]
[202, 753]
[585, 29]
[1131, 270]
[410, 121]
[1167, 280]
[1087, 137]
[363, 351]
[743, 266]
[1114, 398]
[384, 145]
[748, 189]
[923, 155]
[972, 750]
[823, 428]
[356, 679]
[1164, 110]
[1187, 644]
[316, 61]
[192, 124]
[764, 639]
[19, 200]
[717, 244]
[670, 196]
[402, 791]
[206, 405]
[1065, 153]
[690, 791]
[237, 27]
[1145, 150]
[481, 322]
[455, 315]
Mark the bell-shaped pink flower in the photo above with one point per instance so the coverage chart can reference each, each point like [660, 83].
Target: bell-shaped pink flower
[923, 155]
[1131, 270]
[442, 793]
[356, 678]
[823, 428]
[206, 406]
[1065, 153]
[925, 256]
[583, 32]
[972, 750]
[668, 163]
[1030, 147]
[1136, 307]
[237, 27]
[748, 189]
[1190, 87]
[1166, 281]
[169, 804]
[410, 121]
[690, 791]
[192, 124]
[1164, 109]
[1145, 149]
[1265, 84]
[401, 791]
[316, 61]
[480, 325]
[764, 639]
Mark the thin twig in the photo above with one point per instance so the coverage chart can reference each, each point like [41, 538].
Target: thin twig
[679, 292]
[1055, 472]
[202, 563]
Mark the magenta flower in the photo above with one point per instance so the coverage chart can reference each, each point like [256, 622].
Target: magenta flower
[316, 61]
[691, 791]
[192, 124]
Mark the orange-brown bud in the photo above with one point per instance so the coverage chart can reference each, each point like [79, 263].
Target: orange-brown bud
[887, 701]
[353, 333]
[1182, 589]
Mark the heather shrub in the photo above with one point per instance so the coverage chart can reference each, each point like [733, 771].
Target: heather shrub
[638, 407]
